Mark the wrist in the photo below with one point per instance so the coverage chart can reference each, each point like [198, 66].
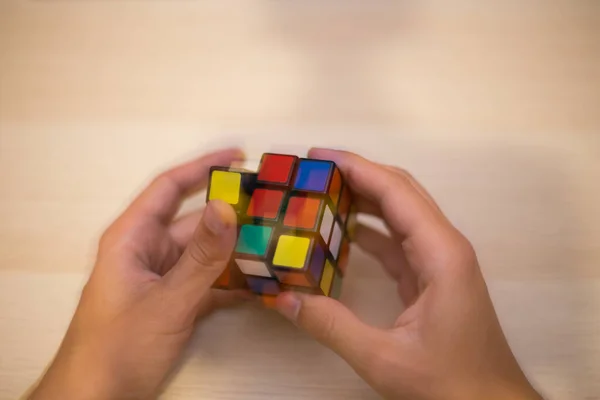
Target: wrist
[497, 389]
[525, 392]
[77, 372]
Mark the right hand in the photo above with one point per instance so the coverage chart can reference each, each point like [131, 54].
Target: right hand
[447, 343]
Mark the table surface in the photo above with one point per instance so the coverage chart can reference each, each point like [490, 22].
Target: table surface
[494, 106]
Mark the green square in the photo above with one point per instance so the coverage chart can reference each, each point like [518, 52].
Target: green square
[336, 289]
[254, 239]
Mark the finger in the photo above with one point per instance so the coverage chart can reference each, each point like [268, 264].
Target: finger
[331, 323]
[383, 248]
[428, 238]
[207, 254]
[183, 228]
[217, 299]
[418, 187]
[162, 198]
[366, 206]
[400, 203]
[393, 259]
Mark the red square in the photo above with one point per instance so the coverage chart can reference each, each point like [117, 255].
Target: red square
[265, 203]
[276, 168]
[302, 212]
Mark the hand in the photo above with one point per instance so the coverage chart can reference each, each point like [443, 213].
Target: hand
[151, 281]
[448, 343]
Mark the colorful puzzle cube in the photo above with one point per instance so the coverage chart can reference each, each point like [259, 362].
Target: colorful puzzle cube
[295, 224]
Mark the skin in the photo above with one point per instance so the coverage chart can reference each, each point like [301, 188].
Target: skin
[152, 279]
[447, 343]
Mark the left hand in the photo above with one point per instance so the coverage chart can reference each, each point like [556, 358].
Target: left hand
[151, 281]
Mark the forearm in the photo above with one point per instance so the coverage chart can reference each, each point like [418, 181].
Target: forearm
[496, 389]
[76, 374]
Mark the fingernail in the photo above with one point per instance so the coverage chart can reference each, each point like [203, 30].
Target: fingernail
[213, 219]
[241, 155]
[288, 305]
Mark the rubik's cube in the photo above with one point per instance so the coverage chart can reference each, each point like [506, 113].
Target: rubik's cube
[295, 223]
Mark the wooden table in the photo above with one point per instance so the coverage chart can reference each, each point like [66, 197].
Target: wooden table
[494, 106]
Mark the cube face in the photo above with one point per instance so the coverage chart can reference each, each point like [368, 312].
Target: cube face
[231, 278]
[344, 255]
[226, 186]
[253, 267]
[344, 204]
[224, 279]
[263, 285]
[276, 168]
[317, 264]
[234, 186]
[326, 224]
[293, 279]
[327, 278]
[265, 203]
[313, 175]
[291, 252]
[254, 240]
[302, 212]
[307, 251]
[351, 223]
[335, 188]
[295, 218]
[336, 286]
[335, 242]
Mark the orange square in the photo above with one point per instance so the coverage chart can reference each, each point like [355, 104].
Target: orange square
[268, 301]
[345, 202]
[223, 280]
[336, 187]
[302, 212]
[293, 278]
[344, 257]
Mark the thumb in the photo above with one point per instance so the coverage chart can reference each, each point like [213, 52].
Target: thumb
[208, 253]
[332, 324]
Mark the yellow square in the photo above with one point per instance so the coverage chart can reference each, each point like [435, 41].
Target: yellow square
[327, 278]
[225, 186]
[291, 251]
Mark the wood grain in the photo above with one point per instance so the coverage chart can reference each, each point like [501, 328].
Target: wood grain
[494, 106]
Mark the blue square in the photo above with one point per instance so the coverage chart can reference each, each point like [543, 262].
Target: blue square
[317, 263]
[263, 285]
[313, 175]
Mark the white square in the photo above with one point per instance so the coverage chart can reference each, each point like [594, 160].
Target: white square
[336, 241]
[326, 224]
[251, 267]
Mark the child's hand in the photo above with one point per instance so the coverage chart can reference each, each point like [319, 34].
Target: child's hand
[448, 343]
[151, 281]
